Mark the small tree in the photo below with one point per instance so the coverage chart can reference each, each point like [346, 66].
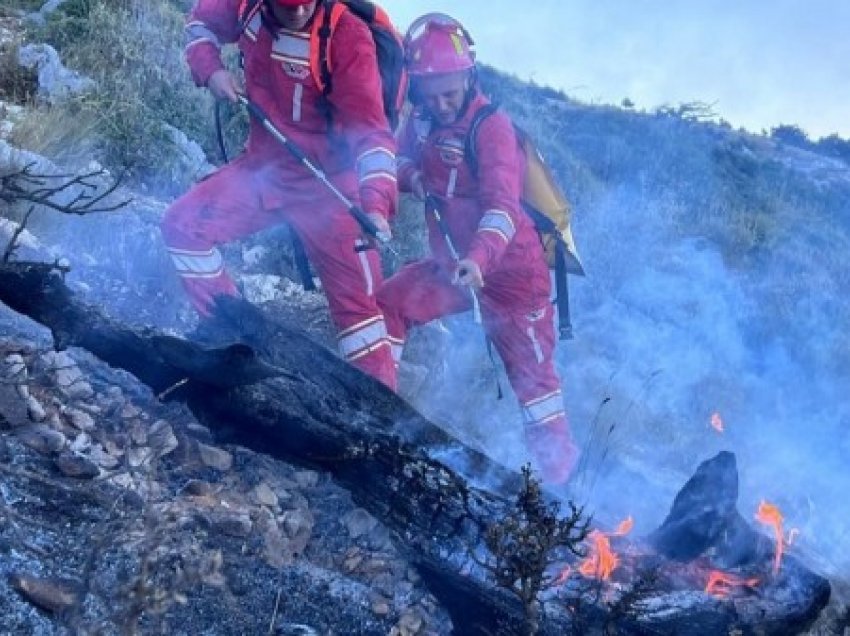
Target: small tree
[524, 544]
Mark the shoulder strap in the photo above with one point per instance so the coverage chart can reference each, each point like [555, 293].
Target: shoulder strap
[320, 49]
[247, 10]
[470, 151]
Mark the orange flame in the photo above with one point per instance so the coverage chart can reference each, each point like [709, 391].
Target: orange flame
[721, 584]
[602, 560]
[769, 515]
[717, 422]
[625, 527]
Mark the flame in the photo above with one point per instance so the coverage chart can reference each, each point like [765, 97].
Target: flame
[625, 527]
[602, 560]
[770, 515]
[717, 422]
[721, 584]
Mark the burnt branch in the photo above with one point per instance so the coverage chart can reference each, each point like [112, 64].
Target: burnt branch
[27, 186]
[16, 235]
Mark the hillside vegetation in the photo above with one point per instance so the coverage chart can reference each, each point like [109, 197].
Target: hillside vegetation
[717, 262]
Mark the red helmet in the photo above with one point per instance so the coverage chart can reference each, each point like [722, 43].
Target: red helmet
[292, 3]
[437, 44]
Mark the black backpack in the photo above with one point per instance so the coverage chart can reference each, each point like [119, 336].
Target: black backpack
[388, 47]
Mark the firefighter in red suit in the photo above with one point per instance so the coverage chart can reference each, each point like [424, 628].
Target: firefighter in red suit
[345, 132]
[497, 256]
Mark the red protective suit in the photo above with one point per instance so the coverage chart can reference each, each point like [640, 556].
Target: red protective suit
[266, 185]
[486, 224]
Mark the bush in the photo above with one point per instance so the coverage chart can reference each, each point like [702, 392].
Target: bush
[133, 51]
[791, 135]
[17, 84]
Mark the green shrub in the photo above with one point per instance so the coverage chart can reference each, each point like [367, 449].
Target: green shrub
[17, 84]
[133, 49]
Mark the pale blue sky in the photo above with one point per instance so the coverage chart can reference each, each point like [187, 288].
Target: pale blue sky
[760, 62]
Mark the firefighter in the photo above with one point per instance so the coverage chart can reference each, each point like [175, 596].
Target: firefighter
[485, 249]
[345, 131]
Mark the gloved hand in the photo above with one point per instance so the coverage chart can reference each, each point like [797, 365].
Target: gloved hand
[223, 85]
[381, 223]
[468, 273]
[552, 448]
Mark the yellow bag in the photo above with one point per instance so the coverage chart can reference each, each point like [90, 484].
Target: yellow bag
[544, 201]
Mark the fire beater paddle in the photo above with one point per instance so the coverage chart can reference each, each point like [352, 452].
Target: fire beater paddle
[366, 224]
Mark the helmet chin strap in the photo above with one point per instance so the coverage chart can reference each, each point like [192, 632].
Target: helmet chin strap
[471, 91]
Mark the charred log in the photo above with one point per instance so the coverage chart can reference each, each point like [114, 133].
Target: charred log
[303, 405]
[299, 402]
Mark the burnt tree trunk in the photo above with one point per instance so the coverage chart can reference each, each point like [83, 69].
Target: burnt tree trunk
[300, 403]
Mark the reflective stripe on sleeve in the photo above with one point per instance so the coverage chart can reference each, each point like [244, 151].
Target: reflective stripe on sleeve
[498, 222]
[377, 162]
[197, 32]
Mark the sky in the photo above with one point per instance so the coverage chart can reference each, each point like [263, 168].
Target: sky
[758, 63]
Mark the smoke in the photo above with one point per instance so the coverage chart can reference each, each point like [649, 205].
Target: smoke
[672, 334]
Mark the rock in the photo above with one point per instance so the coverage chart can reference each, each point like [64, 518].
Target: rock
[16, 369]
[51, 594]
[352, 562]
[79, 419]
[359, 522]
[42, 439]
[233, 524]
[102, 458]
[130, 411]
[264, 495]
[409, 624]
[214, 457]
[200, 432]
[76, 466]
[81, 443]
[297, 523]
[35, 411]
[261, 288]
[192, 161]
[139, 455]
[138, 433]
[67, 375]
[381, 607]
[161, 438]
[277, 551]
[55, 82]
[307, 478]
[196, 488]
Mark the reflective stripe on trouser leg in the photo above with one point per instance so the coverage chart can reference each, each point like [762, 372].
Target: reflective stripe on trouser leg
[197, 263]
[203, 276]
[397, 346]
[543, 409]
[361, 339]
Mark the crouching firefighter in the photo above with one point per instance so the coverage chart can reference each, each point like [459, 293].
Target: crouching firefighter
[486, 253]
[340, 126]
